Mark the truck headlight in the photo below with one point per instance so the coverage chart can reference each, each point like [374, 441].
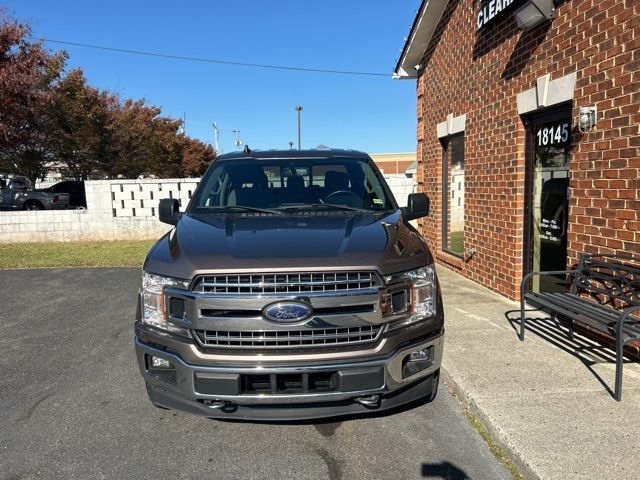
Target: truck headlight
[154, 311]
[409, 296]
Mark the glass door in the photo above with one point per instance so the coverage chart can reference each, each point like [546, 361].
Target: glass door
[547, 202]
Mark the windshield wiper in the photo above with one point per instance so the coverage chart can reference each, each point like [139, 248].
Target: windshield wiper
[241, 208]
[300, 206]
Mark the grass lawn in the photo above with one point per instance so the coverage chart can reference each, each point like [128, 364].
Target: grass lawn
[456, 242]
[74, 254]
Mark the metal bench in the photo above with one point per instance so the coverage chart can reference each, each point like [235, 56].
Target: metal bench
[603, 293]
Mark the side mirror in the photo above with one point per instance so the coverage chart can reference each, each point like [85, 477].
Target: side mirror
[417, 206]
[169, 211]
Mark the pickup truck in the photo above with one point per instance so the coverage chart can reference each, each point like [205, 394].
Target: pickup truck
[291, 287]
[15, 194]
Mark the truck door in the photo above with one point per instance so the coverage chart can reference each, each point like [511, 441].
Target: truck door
[5, 192]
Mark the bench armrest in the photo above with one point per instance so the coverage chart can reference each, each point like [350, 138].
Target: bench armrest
[525, 279]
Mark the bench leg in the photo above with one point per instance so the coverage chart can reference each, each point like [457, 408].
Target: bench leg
[619, 365]
[522, 320]
[570, 329]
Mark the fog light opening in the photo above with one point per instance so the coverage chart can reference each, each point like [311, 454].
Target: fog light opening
[417, 361]
[157, 362]
[161, 369]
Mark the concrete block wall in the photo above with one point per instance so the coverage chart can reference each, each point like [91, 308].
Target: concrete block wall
[116, 210]
[401, 186]
[120, 210]
[137, 198]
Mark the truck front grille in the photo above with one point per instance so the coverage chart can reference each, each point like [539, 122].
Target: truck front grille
[288, 338]
[287, 283]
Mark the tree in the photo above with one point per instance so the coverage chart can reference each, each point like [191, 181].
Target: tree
[144, 143]
[79, 119]
[196, 157]
[27, 74]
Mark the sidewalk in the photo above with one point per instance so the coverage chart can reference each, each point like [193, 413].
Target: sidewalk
[546, 400]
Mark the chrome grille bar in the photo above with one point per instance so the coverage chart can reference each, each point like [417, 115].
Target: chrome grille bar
[288, 338]
[285, 283]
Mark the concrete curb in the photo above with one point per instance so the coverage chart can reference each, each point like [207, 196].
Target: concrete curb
[495, 433]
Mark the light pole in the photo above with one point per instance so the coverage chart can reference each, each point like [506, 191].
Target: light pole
[216, 138]
[299, 109]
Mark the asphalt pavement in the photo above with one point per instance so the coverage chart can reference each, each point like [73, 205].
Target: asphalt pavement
[73, 405]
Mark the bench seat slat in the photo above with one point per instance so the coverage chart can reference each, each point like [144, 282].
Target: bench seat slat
[597, 316]
[631, 326]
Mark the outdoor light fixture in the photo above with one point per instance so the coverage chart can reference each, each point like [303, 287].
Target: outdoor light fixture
[533, 13]
[587, 119]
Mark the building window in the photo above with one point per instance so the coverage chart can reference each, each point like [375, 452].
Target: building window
[453, 195]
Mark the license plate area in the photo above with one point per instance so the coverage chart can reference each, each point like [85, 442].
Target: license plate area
[288, 383]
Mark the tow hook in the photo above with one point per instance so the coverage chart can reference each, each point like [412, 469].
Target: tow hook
[369, 400]
[216, 404]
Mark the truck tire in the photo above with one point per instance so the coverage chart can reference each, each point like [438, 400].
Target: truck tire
[33, 205]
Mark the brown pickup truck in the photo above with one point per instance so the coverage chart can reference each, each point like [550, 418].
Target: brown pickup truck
[291, 287]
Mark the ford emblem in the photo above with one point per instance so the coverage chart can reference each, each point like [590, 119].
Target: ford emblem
[287, 312]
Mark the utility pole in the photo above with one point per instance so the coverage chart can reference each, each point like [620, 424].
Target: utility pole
[299, 109]
[290, 145]
[216, 138]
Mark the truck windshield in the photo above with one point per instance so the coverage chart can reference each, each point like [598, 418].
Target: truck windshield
[292, 184]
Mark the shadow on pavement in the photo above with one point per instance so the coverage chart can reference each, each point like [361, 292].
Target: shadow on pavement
[551, 330]
[444, 470]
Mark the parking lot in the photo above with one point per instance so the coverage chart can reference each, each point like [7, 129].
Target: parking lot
[74, 405]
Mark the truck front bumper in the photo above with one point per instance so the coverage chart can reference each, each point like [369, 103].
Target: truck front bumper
[292, 392]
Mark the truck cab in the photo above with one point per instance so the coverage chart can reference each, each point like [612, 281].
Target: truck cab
[291, 287]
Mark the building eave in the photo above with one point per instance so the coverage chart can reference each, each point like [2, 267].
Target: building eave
[424, 25]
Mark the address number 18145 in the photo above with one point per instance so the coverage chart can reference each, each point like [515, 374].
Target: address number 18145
[553, 134]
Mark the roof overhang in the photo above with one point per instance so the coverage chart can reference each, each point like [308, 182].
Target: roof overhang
[416, 44]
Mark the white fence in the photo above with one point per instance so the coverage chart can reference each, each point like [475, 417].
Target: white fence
[119, 210]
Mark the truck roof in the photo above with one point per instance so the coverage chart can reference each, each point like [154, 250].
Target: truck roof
[312, 153]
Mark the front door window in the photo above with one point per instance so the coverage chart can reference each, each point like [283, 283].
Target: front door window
[548, 200]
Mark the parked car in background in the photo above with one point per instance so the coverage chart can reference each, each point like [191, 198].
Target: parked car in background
[16, 194]
[75, 189]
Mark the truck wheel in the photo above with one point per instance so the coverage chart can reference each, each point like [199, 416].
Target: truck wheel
[33, 205]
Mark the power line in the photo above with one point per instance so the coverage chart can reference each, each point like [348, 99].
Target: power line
[208, 60]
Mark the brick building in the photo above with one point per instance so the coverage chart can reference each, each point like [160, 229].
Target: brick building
[508, 91]
[393, 163]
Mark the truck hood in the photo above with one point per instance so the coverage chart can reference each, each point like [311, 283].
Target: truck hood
[306, 241]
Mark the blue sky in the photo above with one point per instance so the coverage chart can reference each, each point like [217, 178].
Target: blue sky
[375, 114]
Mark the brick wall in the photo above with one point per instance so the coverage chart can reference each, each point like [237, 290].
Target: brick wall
[479, 73]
